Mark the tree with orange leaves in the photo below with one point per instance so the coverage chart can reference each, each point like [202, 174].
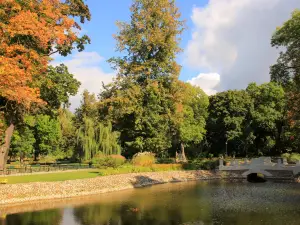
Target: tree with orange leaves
[30, 32]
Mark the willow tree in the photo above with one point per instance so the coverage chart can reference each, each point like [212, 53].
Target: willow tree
[140, 102]
[94, 138]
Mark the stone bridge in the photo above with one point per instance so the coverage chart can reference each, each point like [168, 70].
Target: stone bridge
[263, 166]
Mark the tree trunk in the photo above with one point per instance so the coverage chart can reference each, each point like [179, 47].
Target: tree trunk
[5, 147]
[3, 221]
[182, 152]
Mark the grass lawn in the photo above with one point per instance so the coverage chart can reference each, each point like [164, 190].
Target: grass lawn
[52, 176]
[61, 176]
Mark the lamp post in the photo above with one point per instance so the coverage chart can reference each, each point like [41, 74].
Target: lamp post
[226, 148]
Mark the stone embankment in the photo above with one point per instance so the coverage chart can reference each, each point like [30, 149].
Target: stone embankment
[19, 193]
[37, 191]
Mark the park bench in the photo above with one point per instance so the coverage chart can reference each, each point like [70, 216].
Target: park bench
[3, 181]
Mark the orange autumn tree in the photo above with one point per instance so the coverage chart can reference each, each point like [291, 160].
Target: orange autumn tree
[30, 32]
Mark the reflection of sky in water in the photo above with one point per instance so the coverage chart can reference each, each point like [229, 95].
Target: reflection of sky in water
[68, 217]
[202, 203]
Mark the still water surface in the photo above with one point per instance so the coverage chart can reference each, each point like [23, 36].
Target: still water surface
[201, 203]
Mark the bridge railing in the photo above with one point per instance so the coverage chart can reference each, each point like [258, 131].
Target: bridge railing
[261, 163]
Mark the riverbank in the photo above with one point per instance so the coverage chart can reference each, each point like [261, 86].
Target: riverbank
[37, 191]
[20, 193]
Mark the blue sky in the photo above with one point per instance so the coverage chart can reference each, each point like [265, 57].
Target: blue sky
[226, 44]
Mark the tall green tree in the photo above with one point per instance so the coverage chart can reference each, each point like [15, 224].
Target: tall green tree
[48, 135]
[88, 107]
[150, 41]
[229, 113]
[191, 117]
[268, 116]
[22, 144]
[287, 71]
[68, 138]
[140, 103]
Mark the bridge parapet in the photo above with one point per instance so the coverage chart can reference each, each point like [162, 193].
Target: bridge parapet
[263, 165]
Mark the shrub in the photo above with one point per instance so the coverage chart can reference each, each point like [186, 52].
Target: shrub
[113, 161]
[295, 157]
[166, 160]
[291, 158]
[166, 167]
[143, 159]
[203, 164]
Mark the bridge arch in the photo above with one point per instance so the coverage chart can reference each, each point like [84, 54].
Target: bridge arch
[257, 171]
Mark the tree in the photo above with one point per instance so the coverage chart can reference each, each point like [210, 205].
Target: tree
[68, 138]
[22, 144]
[192, 114]
[268, 116]
[95, 138]
[228, 115]
[140, 103]
[57, 86]
[287, 71]
[88, 107]
[30, 32]
[150, 40]
[48, 135]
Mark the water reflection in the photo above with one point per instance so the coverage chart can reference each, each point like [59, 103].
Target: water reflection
[48, 217]
[185, 203]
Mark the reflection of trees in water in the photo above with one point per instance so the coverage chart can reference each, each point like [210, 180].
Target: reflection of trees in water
[48, 217]
[144, 207]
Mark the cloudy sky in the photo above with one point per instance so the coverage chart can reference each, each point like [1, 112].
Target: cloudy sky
[226, 45]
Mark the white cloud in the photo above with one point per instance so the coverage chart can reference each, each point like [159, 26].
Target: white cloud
[207, 81]
[86, 68]
[232, 38]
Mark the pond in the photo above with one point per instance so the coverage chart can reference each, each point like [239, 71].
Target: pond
[198, 203]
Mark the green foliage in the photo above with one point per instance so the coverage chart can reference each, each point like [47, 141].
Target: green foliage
[146, 103]
[267, 115]
[228, 115]
[287, 70]
[57, 86]
[143, 159]
[114, 161]
[48, 134]
[93, 138]
[252, 121]
[128, 168]
[202, 164]
[68, 139]
[191, 127]
[88, 107]
[291, 157]
[22, 143]
[150, 41]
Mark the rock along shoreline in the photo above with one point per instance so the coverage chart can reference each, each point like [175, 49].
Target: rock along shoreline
[28, 192]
